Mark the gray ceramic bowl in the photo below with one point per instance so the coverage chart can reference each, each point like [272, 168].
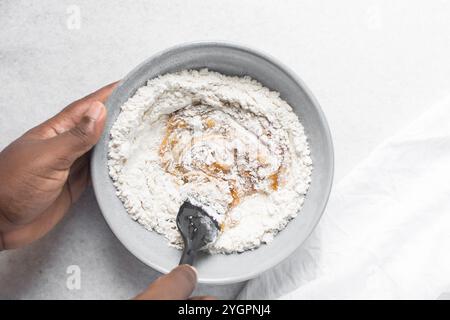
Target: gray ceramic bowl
[150, 247]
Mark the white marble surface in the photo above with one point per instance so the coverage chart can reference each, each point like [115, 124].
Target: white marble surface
[373, 65]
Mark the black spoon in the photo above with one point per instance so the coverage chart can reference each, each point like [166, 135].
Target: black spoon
[197, 228]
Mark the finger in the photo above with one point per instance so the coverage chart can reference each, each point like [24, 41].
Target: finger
[77, 182]
[176, 285]
[69, 116]
[40, 226]
[79, 164]
[101, 94]
[65, 148]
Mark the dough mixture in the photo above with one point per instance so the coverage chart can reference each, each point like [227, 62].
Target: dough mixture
[224, 143]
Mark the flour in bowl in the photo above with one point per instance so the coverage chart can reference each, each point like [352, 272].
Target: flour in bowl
[224, 143]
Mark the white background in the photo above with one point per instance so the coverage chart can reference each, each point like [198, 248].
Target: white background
[373, 66]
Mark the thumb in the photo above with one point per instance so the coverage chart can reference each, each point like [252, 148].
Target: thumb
[73, 143]
[176, 285]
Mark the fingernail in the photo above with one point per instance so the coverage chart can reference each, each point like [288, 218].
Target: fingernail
[95, 110]
[192, 268]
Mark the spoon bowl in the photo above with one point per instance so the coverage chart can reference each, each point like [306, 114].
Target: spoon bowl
[198, 230]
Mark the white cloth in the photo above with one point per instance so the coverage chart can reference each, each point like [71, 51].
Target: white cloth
[386, 231]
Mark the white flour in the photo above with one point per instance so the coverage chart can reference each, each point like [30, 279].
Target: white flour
[227, 144]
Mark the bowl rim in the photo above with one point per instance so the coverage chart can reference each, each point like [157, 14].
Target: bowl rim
[291, 74]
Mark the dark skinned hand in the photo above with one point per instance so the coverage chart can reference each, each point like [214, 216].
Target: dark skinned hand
[45, 171]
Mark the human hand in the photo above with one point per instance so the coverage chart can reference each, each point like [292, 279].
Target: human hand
[176, 285]
[44, 171]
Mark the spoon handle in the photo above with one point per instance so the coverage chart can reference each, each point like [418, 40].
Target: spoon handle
[188, 255]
